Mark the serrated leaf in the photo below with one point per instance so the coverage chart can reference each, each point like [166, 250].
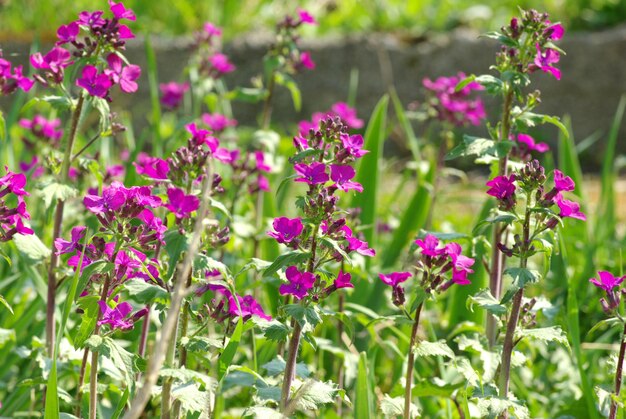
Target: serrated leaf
[485, 300]
[495, 406]
[269, 393]
[479, 147]
[201, 344]
[314, 394]
[190, 397]
[120, 357]
[256, 264]
[522, 276]
[492, 84]
[175, 245]
[146, 293]
[91, 309]
[393, 407]
[307, 317]
[203, 262]
[30, 246]
[439, 348]
[276, 331]
[54, 192]
[293, 257]
[261, 412]
[464, 367]
[545, 334]
[277, 366]
[183, 375]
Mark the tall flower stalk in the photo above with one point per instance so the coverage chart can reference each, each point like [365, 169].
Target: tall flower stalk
[440, 266]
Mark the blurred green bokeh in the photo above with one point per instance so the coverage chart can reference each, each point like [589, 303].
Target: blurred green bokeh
[26, 19]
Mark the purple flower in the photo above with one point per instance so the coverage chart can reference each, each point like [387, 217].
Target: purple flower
[120, 12]
[43, 128]
[347, 114]
[124, 76]
[312, 174]
[299, 283]
[218, 122]
[563, 183]
[394, 279]
[452, 106]
[353, 145]
[461, 265]
[545, 60]
[54, 62]
[502, 187]
[180, 204]
[306, 61]
[172, 94]
[115, 317]
[249, 307]
[91, 19]
[342, 175]
[221, 64]
[343, 280]
[287, 229]
[259, 158]
[430, 246]
[306, 17]
[529, 143]
[569, 209]
[96, 84]
[63, 246]
[607, 281]
[67, 33]
[554, 32]
[357, 245]
[153, 167]
[202, 136]
[112, 199]
[211, 30]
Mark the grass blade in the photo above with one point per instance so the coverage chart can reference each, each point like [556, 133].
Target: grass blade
[411, 138]
[369, 169]
[363, 407]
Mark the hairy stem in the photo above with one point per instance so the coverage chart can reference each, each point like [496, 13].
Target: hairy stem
[497, 258]
[618, 374]
[182, 361]
[56, 230]
[180, 291]
[410, 364]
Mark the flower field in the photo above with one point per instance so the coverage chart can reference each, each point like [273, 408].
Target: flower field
[202, 267]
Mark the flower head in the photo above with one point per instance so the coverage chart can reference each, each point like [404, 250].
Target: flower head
[343, 280]
[96, 84]
[115, 317]
[172, 93]
[221, 64]
[394, 279]
[180, 204]
[430, 246]
[607, 281]
[347, 115]
[342, 175]
[299, 283]
[312, 174]
[545, 60]
[286, 229]
[125, 76]
[306, 61]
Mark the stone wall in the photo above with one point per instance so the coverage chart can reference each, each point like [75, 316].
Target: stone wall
[594, 75]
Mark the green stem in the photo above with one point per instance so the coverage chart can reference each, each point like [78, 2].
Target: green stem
[497, 258]
[93, 377]
[618, 374]
[56, 230]
[410, 363]
[267, 105]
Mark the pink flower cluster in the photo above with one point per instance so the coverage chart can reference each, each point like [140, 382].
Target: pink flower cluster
[448, 104]
[12, 206]
[12, 79]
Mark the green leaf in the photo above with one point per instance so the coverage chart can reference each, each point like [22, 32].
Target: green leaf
[439, 348]
[175, 245]
[6, 336]
[31, 247]
[277, 331]
[498, 216]
[256, 264]
[54, 192]
[190, 397]
[183, 375]
[292, 86]
[231, 349]
[525, 120]
[495, 406]
[485, 300]
[468, 372]
[411, 138]
[121, 404]
[369, 169]
[545, 334]
[293, 257]
[462, 83]
[99, 267]
[146, 293]
[492, 84]
[334, 245]
[91, 309]
[57, 102]
[314, 394]
[364, 405]
[277, 366]
[307, 317]
[201, 344]
[102, 106]
[3, 127]
[500, 37]
[121, 358]
[4, 302]
[480, 147]
[522, 276]
[394, 407]
[203, 263]
[606, 322]
[311, 152]
[247, 94]
[434, 388]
